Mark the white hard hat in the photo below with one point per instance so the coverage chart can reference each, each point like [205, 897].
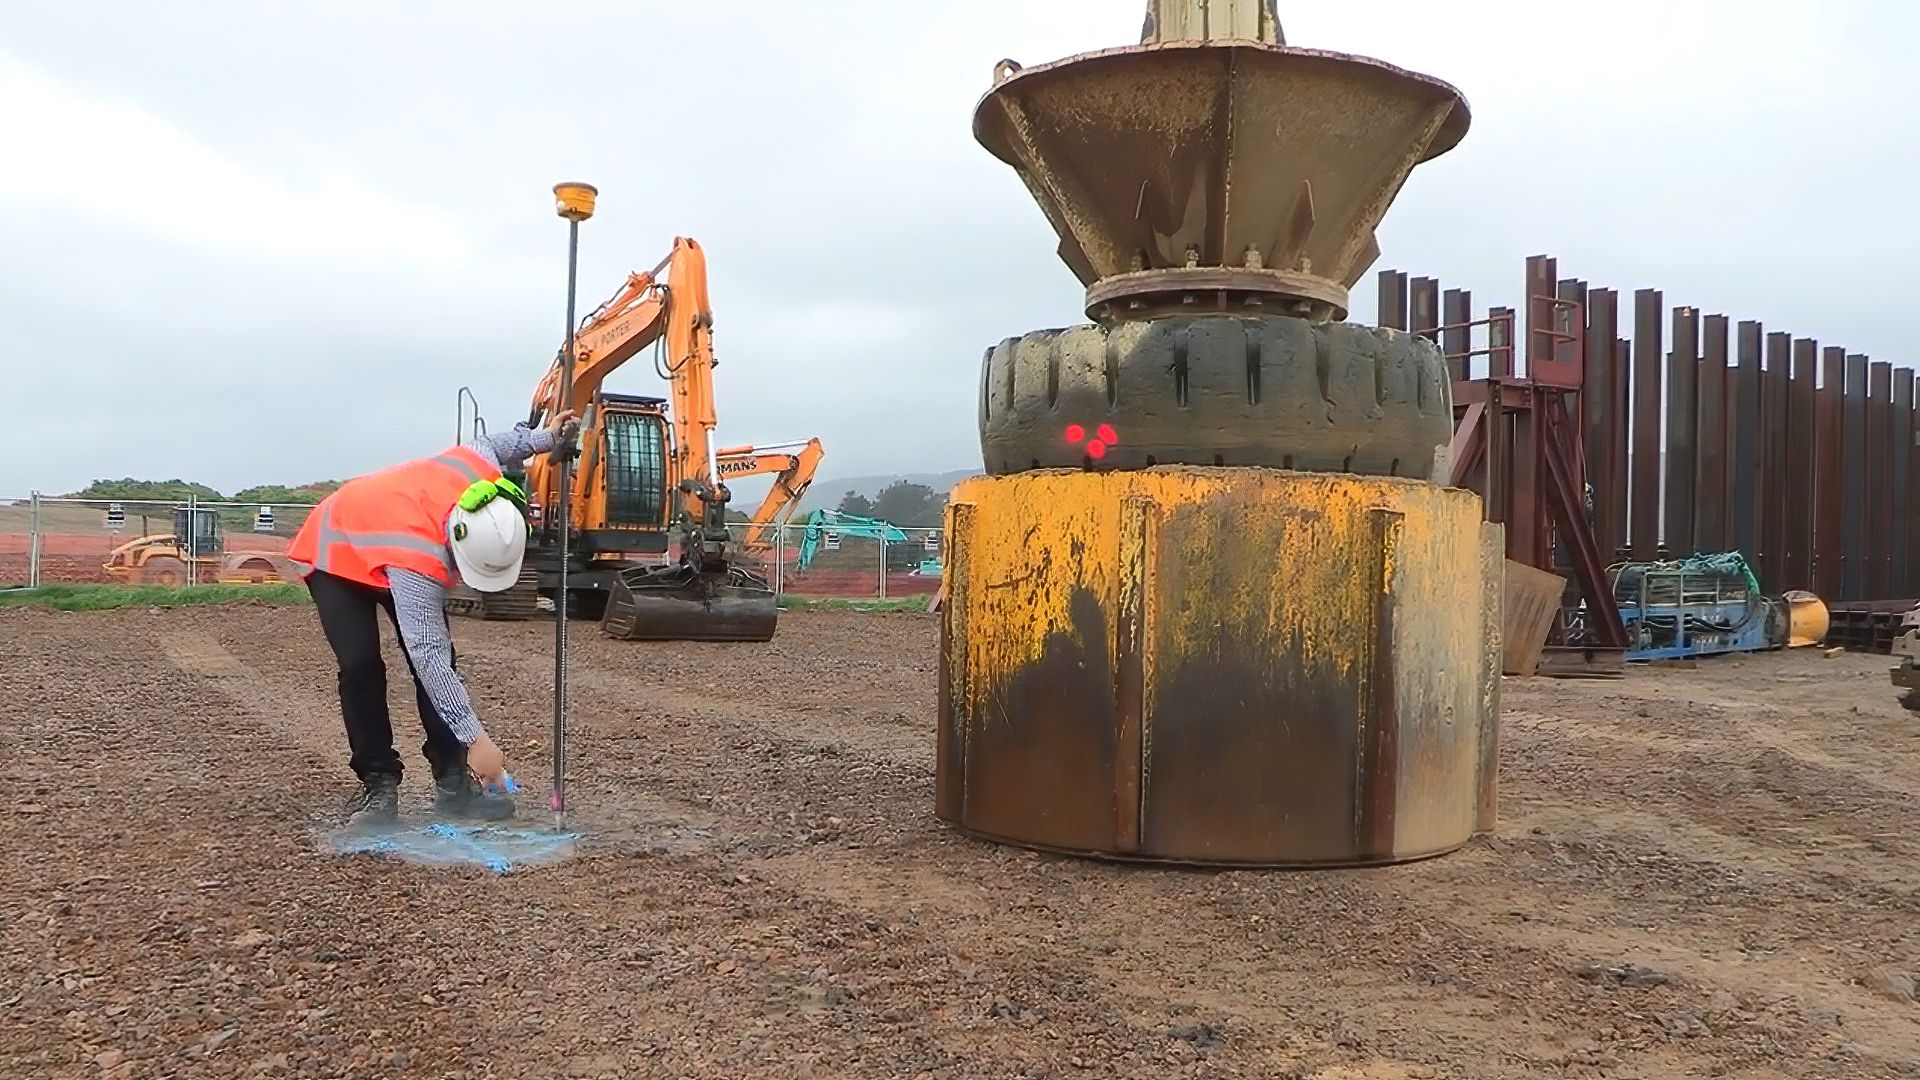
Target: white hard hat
[488, 544]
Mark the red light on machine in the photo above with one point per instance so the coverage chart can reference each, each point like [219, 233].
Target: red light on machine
[1103, 437]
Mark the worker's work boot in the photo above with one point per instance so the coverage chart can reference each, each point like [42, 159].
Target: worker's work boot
[458, 794]
[378, 804]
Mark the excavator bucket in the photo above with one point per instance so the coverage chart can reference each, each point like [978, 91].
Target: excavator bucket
[676, 603]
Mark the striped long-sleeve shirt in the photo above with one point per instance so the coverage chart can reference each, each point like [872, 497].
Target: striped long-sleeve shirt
[419, 602]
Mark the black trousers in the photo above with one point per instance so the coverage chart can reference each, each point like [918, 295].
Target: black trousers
[349, 617]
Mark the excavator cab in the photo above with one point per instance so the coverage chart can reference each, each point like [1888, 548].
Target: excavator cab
[625, 470]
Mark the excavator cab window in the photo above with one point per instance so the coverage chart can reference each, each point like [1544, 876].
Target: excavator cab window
[636, 470]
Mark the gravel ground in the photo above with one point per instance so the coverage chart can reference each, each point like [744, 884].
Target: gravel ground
[1708, 872]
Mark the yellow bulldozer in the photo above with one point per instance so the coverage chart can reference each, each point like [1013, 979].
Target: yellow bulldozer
[194, 552]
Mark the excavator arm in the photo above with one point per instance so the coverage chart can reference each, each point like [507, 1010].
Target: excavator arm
[671, 310]
[793, 472]
[822, 522]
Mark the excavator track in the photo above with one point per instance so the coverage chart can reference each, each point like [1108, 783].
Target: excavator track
[676, 603]
[516, 604]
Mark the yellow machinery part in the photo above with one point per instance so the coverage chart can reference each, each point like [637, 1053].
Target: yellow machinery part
[1219, 665]
[1807, 619]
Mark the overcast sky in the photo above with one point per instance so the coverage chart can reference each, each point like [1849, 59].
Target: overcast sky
[247, 242]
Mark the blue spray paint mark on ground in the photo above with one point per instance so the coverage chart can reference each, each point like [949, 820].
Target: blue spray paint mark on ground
[499, 848]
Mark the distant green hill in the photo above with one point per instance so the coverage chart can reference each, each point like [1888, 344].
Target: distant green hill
[128, 489]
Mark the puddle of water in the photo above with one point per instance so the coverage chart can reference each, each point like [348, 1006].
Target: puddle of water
[500, 848]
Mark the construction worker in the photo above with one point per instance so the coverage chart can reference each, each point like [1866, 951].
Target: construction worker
[397, 540]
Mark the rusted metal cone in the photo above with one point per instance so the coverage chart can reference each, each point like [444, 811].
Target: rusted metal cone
[1217, 175]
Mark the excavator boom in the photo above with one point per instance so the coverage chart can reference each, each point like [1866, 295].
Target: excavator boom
[671, 311]
[793, 473]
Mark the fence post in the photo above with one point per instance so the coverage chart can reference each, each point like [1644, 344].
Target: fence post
[779, 562]
[193, 538]
[33, 540]
[883, 568]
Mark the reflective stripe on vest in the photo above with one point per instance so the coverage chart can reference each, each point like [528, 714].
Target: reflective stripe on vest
[460, 463]
[371, 542]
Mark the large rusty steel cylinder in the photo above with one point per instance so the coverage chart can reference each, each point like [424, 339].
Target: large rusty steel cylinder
[1213, 602]
[1219, 666]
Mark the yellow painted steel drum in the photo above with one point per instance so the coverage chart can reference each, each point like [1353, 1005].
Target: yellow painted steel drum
[1807, 619]
[1227, 666]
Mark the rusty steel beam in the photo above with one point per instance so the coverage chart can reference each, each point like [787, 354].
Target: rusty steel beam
[1568, 320]
[1393, 300]
[1527, 531]
[1744, 437]
[1555, 328]
[1566, 504]
[1867, 625]
[1623, 446]
[1799, 508]
[1570, 323]
[1532, 516]
[1605, 421]
[1773, 512]
[1500, 358]
[1423, 308]
[1645, 493]
[1829, 478]
[1497, 495]
[1911, 526]
[1537, 346]
[1879, 478]
[1456, 340]
[1683, 369]
[1710, 506]
[1900, 566]
[1853, 523]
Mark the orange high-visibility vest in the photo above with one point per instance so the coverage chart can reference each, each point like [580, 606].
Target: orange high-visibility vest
[394, 517]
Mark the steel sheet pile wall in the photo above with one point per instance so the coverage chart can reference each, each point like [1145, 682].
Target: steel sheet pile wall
[1801, 456]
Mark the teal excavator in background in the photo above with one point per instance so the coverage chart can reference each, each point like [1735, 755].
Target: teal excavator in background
[826, 527]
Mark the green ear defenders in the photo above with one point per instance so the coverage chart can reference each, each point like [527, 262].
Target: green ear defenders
[482, 492]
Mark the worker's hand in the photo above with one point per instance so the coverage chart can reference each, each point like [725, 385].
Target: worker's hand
[485, 761]
[562, 427]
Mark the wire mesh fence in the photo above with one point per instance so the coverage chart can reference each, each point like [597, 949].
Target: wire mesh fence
[46, 540]
[832, 565]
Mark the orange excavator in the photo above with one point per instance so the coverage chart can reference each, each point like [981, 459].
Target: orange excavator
[648, 481]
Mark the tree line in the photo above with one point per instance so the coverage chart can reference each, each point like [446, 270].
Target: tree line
[902, 503]
[127, 489]
[907, 505]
